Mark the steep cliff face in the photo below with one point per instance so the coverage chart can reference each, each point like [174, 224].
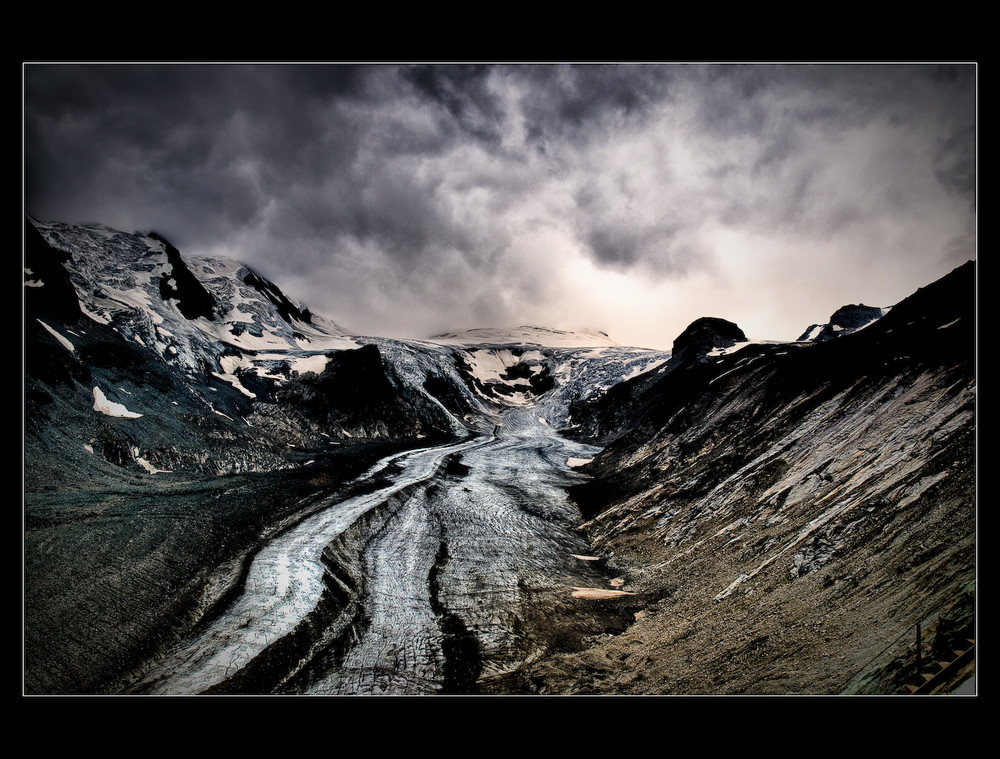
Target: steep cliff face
[358, 395]
[787, 502]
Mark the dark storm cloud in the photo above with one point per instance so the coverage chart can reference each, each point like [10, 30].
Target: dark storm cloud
[624, 245]
[215, 139]
[622, 230]
[464, 93]
[955, 162]
[802, 124]
[460, 194]
[583, 102]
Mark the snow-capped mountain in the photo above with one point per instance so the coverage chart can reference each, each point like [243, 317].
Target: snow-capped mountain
[191, 311]
[126, 308]
[194, 352]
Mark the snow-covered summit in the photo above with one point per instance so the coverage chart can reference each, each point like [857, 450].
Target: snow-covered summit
[193, 311]
[526, 335]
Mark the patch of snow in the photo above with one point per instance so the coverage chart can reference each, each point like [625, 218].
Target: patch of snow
[813, 333]
[62, 340]
[740, 365]
[732, 586]
[97, 316]
[599, 593]
[230, 364]
[149, 467]
[316, 363]
[574, 462]
[110, 408]
[732, 348]
[214, 411]
[238, 316]
[134, 298]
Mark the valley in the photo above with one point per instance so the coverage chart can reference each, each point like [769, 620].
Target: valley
[226, 494]
[423, 582]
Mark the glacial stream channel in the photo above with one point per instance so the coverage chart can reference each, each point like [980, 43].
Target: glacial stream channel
[421, 587]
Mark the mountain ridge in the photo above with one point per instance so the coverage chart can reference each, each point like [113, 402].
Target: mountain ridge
[527, 335]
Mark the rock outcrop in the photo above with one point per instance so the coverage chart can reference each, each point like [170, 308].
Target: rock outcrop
[703, 336]
[845, 320]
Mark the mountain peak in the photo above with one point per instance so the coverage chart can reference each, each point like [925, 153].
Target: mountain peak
[189, 309]
[706, 334]
[845, 320]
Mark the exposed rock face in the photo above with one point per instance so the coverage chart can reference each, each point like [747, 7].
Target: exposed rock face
[48, 290]
[704, 335]
[358, 395]
[845, 320]
[288, 310]
[180, 284]
[854, 317]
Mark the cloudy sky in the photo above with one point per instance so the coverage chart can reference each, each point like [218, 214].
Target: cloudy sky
[406, 200]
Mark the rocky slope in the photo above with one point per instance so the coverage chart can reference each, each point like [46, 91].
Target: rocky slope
[786, 514]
